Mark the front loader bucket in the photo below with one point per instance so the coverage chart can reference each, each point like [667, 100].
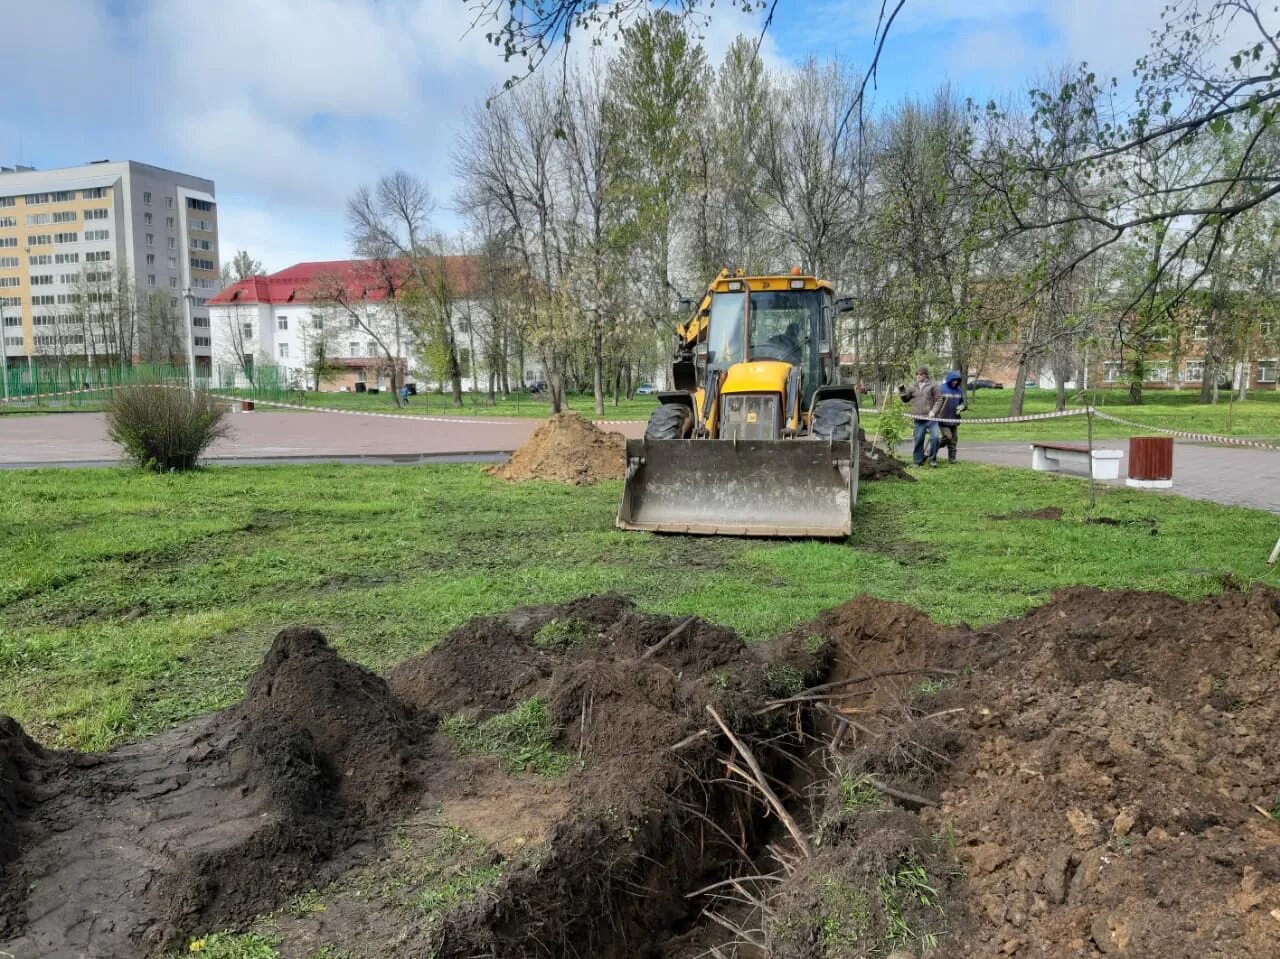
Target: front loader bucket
[740, 488]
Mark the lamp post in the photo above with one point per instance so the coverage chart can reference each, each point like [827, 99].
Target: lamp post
[4, 354]
[190, 298]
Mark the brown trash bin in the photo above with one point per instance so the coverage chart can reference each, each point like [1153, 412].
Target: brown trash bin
[1150, 462]
[246, 406]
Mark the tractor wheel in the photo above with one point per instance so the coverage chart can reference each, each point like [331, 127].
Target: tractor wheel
[833, 421]
[670, 421]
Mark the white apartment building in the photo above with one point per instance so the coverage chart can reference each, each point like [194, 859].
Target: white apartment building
[286, 318]
[62, 231]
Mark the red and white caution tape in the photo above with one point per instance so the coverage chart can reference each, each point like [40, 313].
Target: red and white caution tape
[1183, 434]
[1026, 418]
[45, 396]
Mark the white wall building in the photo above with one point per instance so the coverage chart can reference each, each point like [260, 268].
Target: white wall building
[284, 319]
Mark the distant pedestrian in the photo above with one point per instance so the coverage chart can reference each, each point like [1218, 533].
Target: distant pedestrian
[925, 400]
[952, 406]
[404, 394]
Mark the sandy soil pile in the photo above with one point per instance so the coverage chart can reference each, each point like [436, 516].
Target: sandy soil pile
[567, 449]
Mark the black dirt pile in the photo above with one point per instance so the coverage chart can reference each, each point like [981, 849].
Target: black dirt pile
[876, 464]
[318, 774]
[1099, 778]
[21, 762]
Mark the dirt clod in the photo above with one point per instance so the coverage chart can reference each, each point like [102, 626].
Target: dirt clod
[566, 449]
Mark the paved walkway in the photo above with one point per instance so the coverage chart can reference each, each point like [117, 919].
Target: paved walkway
[1224, 474]
[69, 439]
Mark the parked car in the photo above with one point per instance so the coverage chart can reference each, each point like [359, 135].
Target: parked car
[984, 385]
[646, 389]
[538, 386]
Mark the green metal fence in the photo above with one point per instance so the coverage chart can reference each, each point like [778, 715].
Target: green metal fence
[68, 385]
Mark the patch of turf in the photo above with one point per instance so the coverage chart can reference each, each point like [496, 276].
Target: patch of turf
[131, 602]
[228, 945]
[520, 739]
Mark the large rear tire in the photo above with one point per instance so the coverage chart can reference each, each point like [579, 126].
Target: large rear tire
[670, 421]
[833, 421]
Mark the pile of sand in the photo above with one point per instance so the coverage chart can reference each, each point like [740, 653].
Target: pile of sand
[567, 449]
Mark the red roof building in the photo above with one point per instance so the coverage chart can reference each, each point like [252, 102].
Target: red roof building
[360, 280]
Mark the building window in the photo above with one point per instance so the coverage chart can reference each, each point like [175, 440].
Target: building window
[44, 259]
[1195, 371]
[317, 322]
[248, 331]
[97, 193]
[1111, 371]
[1158, 373]
[66, 238]
[7, 241]
[198, 320]
[206, 225]
[8, 262]
[284, 351]
[201, 264]
[151, 239]
[67, 217]
[8, 221]
[7, 201]
[146, 218]
[42, 279]
[354, 346]
[1267, 370]
[282, 322]
[201, 245]
[12, 320]
[36, 199]
[146, 197]
[173, 262]
[173, 282]
[204, 206]
[168, 202]
[44, 299]
[173, 244]
[202, 341]
[100, 256]
[151, 279]
[39, 239]
[10, 280]
[38, 219]
[10, 301]
[1267, 327]
[168, 221]
[66, 258]
[97, 234]
[151, 259]
[68, 277]
[101, 213]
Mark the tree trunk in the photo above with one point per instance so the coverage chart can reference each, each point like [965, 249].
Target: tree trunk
[597, 366]
[1020, 387]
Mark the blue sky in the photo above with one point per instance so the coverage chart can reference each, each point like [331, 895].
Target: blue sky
[288, 105]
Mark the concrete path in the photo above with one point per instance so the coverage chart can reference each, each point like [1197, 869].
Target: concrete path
[81, 438]
[1224, 474]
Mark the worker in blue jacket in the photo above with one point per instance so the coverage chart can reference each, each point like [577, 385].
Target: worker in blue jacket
[952, 406]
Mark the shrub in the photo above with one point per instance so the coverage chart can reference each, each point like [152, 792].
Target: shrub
[163, 428]
[893, 425]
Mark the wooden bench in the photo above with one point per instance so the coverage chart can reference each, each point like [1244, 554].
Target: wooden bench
[1054, 457]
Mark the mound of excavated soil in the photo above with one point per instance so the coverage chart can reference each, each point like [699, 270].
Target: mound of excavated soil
[1096, 778]
[566, 449]
[1095, 772]
[329, 777]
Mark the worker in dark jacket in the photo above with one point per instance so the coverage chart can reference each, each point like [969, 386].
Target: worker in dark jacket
[952, 406]
[925, 399]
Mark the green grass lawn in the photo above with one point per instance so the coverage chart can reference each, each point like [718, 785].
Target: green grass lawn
[1259, 416]
[130, 601]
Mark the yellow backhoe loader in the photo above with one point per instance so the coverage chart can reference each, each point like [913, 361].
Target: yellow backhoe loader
[758, 437]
